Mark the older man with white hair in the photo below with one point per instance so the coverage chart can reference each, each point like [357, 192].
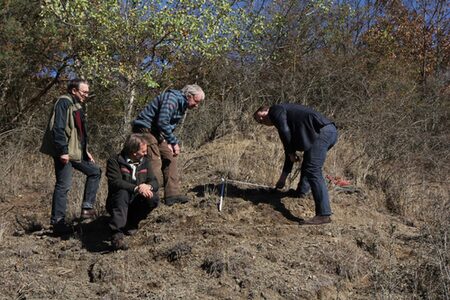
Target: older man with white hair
[157, 121]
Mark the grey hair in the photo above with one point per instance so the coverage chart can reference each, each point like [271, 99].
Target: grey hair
[192, 89]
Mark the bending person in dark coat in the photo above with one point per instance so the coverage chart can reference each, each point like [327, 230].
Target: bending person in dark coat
[302, 129]
[132, 189]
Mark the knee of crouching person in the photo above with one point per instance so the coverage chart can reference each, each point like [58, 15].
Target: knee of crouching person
[154, 201]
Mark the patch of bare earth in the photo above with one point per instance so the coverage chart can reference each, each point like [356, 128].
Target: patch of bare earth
[255, 248]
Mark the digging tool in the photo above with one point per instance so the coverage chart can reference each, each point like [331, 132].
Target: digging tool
[222, 189]
[249, 183]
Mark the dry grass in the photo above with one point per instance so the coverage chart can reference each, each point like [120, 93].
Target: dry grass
[258, 158]
[28, 171]
[22, 165]
[393, 189]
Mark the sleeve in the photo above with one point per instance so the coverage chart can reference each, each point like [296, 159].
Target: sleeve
[169, 106]
[288, 164]
[115, 181]
[278, 116]
[59, 126]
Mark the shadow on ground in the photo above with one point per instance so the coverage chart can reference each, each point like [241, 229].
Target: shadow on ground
[254, 195]
[95, 235]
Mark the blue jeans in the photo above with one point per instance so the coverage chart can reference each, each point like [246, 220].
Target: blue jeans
[311, 171]
[64, 181]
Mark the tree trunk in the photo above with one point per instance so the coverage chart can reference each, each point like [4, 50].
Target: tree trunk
[129, 110]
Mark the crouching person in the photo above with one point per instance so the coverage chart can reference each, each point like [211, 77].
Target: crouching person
[132, 189]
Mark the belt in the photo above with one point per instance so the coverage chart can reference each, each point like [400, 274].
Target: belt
[138, 129]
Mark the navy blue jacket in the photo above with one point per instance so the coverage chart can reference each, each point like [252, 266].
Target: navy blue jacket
[298, 127]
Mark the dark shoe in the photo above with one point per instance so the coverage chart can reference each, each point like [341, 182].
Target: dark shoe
[118, 243]
[61, 228]
[318, 220]
[176, 199]
[88, 213]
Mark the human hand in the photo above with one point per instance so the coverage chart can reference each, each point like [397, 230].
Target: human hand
[145, 190]
[293, 157]
[64, 159]
[176, 149]
[90, 157]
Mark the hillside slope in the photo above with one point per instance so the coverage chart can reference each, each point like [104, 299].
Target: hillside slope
[254, 248]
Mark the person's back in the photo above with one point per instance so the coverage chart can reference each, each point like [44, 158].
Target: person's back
[162, 114]
[303, 129]
[297, 124]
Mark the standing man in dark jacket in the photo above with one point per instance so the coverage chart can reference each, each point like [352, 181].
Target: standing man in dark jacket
[302, 129]
[66, 140]
[132, 189]
[158, 121]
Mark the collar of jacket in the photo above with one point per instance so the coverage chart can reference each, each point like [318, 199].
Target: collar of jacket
[181, 99]
[75, 101]
[121, 158]
[130, 162]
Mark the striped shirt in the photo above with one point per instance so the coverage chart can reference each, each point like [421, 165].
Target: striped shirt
[163, 114]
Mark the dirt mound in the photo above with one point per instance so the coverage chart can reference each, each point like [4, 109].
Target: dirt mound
[255, 248]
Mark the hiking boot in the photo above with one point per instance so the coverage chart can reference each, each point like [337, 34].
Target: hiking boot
[118, 243]
[318, 220]
[88, 213]
[176, 199]
[62, 228]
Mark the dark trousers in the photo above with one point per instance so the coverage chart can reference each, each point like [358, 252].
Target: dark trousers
[311, 177]
[127, 210]
[64, 181]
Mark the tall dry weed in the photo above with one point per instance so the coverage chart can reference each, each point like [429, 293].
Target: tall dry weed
[23, 166]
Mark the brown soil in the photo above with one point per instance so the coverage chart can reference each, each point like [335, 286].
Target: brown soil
[254, 248]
